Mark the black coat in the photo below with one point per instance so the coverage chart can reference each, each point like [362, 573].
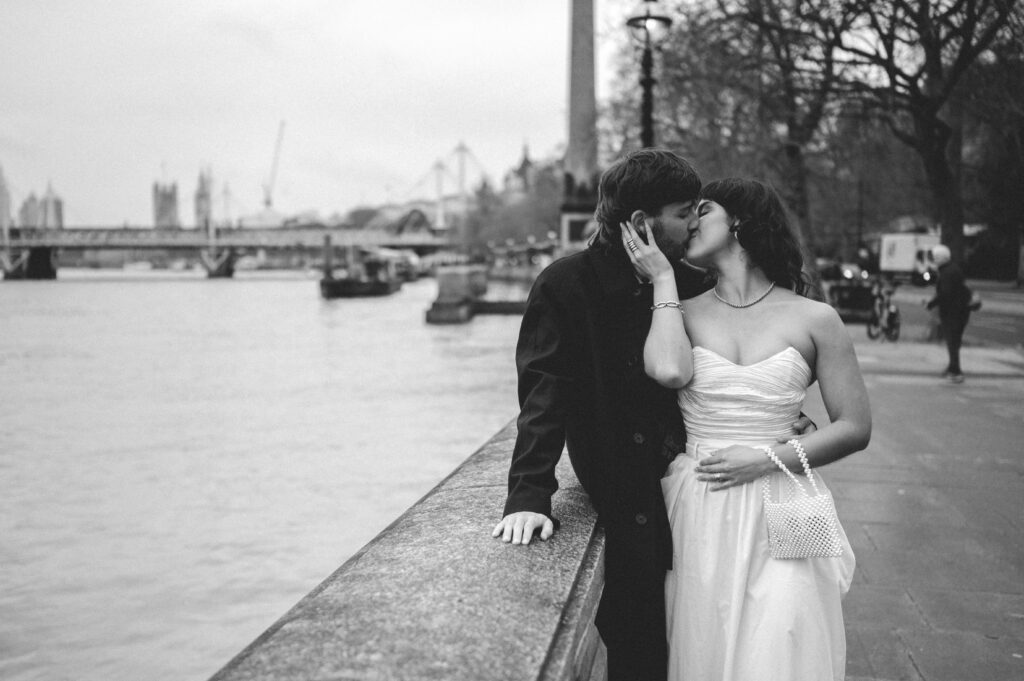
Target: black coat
[582, 384]
[952, 296]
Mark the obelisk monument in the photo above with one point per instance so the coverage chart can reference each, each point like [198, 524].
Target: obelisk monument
[580, 166]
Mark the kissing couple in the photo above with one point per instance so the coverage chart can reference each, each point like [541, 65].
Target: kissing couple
[671, 358]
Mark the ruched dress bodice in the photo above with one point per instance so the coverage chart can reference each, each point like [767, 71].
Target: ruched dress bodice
[743, 404]
[734, 613]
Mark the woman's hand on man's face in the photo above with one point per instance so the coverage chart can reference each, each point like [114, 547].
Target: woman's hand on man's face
[648, 260]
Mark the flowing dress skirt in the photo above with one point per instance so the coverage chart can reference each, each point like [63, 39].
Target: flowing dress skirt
[734, 612]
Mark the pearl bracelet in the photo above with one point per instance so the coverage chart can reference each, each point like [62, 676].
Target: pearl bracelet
[669, 303]
[799, 448]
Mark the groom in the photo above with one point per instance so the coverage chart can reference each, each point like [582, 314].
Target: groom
[582, 384]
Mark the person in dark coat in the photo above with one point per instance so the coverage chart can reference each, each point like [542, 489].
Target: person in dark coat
[582, 384]
[953, 298]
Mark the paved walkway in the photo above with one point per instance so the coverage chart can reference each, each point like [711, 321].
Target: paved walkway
[934, 512]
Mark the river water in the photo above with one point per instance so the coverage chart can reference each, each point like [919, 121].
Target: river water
[181, 460]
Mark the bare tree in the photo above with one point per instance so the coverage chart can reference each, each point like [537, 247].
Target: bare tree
[905, 58]
[708, 97]
[860, 181]
[745, 86]
[791, 47]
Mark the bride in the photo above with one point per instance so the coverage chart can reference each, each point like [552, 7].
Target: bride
[742, 355]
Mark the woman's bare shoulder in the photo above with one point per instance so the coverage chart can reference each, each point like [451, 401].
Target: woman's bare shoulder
[806, 306]
[815, 316]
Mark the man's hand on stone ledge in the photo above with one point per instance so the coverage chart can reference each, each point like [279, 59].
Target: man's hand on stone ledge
[518, 528]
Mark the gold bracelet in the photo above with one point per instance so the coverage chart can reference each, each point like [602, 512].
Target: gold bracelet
[669, 303]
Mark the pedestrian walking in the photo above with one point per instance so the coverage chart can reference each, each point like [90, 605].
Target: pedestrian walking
[953, 299]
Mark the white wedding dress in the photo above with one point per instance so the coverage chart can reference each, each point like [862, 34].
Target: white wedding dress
[734, 612]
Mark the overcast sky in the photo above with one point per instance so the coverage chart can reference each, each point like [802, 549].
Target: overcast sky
[102, 98]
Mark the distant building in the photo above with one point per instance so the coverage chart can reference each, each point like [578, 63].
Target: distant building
[47, 212]
[204, 199]
[5, 204]
[420, 215]
[28, 214]
[519, 180]
[401, 220]
[165, 205]
[51, 210]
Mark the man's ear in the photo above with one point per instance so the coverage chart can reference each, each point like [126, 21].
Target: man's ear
[639, 221]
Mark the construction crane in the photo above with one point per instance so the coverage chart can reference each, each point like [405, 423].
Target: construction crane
[268, 186]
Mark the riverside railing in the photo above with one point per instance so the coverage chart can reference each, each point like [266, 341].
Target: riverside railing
[434, 596]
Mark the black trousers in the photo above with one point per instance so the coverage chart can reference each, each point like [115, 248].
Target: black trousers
[631, 616]
[636, 638]
[953, 328]
[633, 661]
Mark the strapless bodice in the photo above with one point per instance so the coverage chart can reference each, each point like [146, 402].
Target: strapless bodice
[756, 403]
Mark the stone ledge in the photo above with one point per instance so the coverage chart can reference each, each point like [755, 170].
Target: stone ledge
[434, 596]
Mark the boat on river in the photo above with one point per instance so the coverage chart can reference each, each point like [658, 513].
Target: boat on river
[363, 273]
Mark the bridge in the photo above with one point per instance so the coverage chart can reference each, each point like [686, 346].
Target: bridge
[30, 253]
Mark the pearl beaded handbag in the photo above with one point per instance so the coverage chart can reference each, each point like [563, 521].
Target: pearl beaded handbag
[805, 525]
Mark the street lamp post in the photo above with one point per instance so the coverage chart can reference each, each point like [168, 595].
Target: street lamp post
[648, 28]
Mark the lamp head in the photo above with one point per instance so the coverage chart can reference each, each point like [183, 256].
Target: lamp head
[648, 25]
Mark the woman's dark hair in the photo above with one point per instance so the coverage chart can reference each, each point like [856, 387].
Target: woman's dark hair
[762, 229]
[647, 180]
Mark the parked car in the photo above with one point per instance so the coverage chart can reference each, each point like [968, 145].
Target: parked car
[847, 288]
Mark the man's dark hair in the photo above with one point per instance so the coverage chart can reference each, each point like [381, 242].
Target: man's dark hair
[647, 180]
